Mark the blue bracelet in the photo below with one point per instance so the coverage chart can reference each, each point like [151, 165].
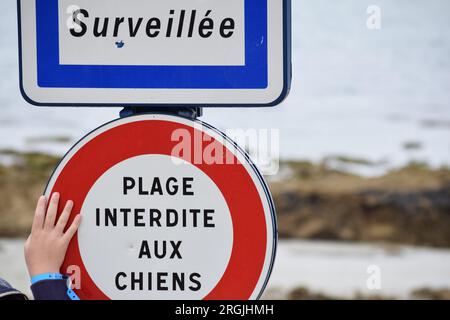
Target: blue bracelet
[72, 295]
[46, 276]
[56, 276]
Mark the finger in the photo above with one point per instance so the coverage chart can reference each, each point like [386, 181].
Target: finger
[52, 211]
[62, 221]
[73, 228]
[39, 214]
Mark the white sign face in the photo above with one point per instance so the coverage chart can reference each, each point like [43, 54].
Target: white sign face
[161, 218]
[175, 257]
[157, 53]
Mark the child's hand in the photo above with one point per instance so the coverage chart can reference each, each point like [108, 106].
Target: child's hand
[47, 244]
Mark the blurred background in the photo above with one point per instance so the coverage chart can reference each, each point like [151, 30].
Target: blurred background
[363, 190]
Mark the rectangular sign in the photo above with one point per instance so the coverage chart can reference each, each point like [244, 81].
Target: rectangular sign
[154, 53]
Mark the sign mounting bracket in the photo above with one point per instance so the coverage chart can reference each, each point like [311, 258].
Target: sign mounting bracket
[185, 112]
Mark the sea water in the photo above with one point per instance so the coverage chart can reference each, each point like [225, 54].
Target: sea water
[380, 95]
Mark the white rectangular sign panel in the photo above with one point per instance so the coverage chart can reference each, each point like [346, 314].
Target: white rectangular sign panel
[154, 52]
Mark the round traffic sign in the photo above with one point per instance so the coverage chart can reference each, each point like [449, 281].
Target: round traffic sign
[171, 209]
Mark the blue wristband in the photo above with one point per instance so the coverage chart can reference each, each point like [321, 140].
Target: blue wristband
[55, 276]
[46, 276]
[72, 295]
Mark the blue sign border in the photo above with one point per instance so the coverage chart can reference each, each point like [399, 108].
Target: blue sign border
[51, 74]
[287, 72]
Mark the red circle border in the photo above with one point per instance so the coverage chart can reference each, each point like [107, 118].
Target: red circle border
[150, 136]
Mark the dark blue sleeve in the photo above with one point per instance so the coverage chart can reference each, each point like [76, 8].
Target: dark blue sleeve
[50, 290]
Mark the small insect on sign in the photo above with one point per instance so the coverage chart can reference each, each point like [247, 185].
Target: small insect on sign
[155, 53]
[183, 216]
